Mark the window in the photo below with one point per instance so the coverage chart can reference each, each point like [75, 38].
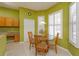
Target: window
[41, 26]
[72, 23]
[58, 23]
[55, 24]
[51, 26]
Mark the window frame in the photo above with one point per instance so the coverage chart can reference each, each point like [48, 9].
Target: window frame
[58, 11]
[71, 25]
[39, 26]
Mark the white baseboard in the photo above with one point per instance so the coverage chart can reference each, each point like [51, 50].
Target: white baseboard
[66, 50]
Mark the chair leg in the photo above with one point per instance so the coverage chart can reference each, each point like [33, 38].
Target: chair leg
[30, 46]
[56, 49]
[35, 52]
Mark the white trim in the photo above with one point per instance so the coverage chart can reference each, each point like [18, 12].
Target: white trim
[65, 50]
[74, 44]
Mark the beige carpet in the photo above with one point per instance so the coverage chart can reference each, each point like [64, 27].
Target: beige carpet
[22, 49]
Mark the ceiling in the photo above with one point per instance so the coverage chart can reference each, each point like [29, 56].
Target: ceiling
[29, 5]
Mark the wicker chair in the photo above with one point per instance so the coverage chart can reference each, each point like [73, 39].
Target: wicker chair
[41, 46]
[56, 42]
[31, 39]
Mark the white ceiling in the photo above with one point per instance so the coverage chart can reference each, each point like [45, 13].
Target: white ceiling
[29, 5]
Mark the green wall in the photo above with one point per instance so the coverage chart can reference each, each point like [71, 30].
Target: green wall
[43, 13]
[2, 29]
[23, 13]
[62, 42]
[65, 41]
[6, 12]
[3, 42]
[74, 51]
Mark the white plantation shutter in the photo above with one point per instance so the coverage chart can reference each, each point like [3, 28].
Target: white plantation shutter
[72, 23]
[55, 24]
[51, 26]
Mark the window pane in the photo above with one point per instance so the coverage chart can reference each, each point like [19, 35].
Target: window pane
[51, 30]
[51, 18]
[58, 27]
[74, 19]
[51, 37]
[73, 23]
[74, 33]
[58, 23]
[73, 12]
[58, 30]
[55, 23]
[58, 18]
[73, 9]
[40, 25]
[74, 38]
[74, 27]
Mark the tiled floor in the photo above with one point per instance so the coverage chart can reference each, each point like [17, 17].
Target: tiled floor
[22, 49]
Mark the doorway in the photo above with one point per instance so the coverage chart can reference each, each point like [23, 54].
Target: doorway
[29, 26]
